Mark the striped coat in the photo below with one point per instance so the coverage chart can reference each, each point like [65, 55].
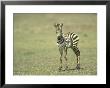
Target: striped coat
[65, 41]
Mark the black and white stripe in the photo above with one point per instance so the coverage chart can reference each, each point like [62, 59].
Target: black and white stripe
[71, 38]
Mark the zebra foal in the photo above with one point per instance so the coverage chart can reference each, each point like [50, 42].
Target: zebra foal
[65, 41]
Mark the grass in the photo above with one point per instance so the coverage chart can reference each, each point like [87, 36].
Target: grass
[35, 49]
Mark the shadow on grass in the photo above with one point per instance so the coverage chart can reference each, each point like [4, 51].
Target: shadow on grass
[71, 69]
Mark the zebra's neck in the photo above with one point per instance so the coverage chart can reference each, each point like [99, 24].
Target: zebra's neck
[60, 39]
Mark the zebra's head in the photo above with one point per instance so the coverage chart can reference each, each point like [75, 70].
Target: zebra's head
[58, 29]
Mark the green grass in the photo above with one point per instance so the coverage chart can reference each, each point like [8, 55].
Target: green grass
[35, 49]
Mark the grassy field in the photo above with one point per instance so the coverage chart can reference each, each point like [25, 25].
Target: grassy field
[35, 49]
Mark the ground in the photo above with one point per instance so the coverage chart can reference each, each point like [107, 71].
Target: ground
[35, 49]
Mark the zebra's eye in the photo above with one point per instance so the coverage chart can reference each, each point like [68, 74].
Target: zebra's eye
[58, 37]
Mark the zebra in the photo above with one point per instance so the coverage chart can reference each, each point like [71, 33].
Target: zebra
[65, 41]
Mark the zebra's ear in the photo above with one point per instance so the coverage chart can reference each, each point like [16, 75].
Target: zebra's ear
[55, 24]
[61, 24]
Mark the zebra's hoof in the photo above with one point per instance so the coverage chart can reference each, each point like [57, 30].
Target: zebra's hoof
[78, 66]
[60, 68]
[66, 68]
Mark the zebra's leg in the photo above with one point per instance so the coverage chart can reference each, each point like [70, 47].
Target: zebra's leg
[65, 56]
[78, 62]
[77, 52]
[61, 54]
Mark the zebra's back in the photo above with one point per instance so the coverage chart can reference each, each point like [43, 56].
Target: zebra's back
[71, 39]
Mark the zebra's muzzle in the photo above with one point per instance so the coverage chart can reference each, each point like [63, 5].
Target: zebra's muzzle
[60, 39]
